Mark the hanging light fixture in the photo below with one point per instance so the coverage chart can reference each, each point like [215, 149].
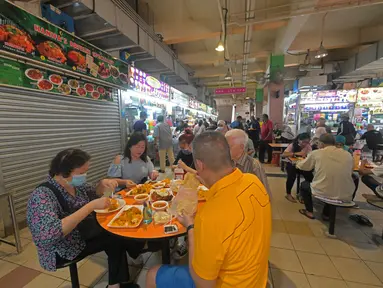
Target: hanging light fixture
[228, 75]
[220, 46]
[322, 52]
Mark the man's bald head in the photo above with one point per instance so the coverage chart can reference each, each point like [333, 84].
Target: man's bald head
[212, 149]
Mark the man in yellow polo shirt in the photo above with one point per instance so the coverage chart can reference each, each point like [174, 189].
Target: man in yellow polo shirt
[229, 239]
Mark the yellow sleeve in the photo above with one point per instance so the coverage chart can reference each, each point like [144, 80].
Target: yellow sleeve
[209, 251]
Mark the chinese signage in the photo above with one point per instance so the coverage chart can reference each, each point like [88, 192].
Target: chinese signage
[231, 90]
[26, 35]
[194, 104]
[141, 82]
[330, 96]
[13, 73]
[179, 98]
[202, 107]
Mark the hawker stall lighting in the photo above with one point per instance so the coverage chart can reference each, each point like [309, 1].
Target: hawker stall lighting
[228, 75]
[322, 52]
[220, 46]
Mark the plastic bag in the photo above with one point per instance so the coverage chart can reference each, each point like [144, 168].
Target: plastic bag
[185, 202]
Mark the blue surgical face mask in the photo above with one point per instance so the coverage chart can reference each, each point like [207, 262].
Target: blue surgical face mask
[78, 180]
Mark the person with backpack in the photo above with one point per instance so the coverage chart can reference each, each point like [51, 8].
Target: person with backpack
[347, 130]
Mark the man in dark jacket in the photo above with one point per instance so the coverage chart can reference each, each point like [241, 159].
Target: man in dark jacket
[347, 130]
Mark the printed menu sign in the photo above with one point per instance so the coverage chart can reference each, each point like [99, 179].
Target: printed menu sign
[24, 34]
[13, 73]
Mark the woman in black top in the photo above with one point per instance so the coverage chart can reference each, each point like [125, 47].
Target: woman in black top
[299, 147]
[185, 156]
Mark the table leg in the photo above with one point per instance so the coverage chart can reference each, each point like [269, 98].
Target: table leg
[165, 251]
[298, 182]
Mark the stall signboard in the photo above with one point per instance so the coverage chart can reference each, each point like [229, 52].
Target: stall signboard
[202, 107]
[370, 96]
[13, 73]
[329, 96]
[144, 83]
[230, 90]
[148, 102]
[179, 98]
[194, 104]
[25, 35]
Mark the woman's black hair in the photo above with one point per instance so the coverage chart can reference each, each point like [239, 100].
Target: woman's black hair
[200, 123]
[134, 140]
[66, 161]
[300, 137]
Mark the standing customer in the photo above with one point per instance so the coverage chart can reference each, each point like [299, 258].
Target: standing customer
[266, 139]
[59, 215]
[347, 130]
[199, 128]
[163, 137]
[222, 127]
[255, 129]
[140, 125]
[228, 249]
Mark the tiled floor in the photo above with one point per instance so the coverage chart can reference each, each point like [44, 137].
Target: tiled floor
[301, 255]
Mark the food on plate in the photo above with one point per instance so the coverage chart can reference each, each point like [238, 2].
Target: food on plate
[103, 71]
[158, 185]
[160, 205]
[45, 85]
[161, 217]
[114, 71]
[13, 35]
[101, 90]
[56, 79]
[73, 84]
[52, 51]
[191, 181]
[95, 95]
[364, 91]
[77, 58]
[161, 194]
[124, 78]
[166, 182]
[89, 87]
[113, 204]
[81, 91]
[141, 198]
[128, 218]
[34, 74]
[64, 89]
[140, 189]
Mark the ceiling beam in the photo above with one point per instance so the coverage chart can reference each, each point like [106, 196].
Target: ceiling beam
[230, 31]
[287, 35]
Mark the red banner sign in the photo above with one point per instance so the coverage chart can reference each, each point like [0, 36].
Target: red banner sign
[231, 90]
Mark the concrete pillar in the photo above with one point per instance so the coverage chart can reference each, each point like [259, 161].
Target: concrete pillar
[225, 112]
[275, 105]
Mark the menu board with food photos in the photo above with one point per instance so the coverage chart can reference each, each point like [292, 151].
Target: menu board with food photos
[13, 73]
[24, 34]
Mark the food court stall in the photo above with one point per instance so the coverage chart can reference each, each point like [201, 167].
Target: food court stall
[369, 108]
[180, 103]
[56, 92]
[329, 104]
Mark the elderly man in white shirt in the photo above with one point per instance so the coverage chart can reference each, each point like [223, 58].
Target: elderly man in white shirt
[333, 168]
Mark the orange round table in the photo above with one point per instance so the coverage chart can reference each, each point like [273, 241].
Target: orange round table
[144, 232]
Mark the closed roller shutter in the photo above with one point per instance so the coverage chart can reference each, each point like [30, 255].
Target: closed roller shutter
[35, 126]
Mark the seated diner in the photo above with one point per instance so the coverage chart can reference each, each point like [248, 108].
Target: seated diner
[134, 166]
[61, 220]
[228, 249]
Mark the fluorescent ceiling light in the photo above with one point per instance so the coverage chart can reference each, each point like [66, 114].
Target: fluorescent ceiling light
[220, 46]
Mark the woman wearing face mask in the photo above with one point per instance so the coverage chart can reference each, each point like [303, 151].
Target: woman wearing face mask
[134, 165]
[184, 158]
[299, 147]
[61, 219]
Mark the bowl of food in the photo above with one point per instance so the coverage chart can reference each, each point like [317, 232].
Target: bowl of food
[161, 217]
[159, 185]
[164, 194]
[160, 205]
[141, 198]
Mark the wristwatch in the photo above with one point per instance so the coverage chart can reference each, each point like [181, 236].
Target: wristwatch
[190, 227]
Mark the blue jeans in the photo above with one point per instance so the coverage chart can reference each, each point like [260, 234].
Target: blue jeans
[169, 276]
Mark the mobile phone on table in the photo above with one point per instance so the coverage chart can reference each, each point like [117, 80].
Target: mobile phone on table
[170, 229]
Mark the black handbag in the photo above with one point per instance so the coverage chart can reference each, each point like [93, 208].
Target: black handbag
[89, 227]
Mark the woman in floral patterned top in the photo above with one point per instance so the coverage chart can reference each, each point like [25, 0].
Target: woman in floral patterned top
[56, 232]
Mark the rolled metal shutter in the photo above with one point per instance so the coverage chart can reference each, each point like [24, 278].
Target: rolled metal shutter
[35, 126]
